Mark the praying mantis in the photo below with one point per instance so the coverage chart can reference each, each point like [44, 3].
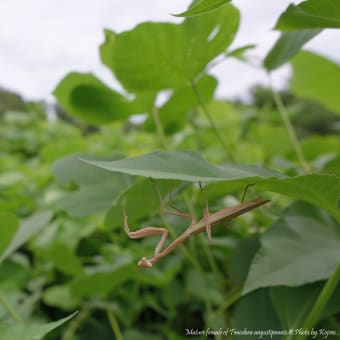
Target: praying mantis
[208, 221]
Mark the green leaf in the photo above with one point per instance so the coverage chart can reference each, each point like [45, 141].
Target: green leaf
[62, 257]
[140, 201]
[29, 331]
[287, 46]
[320, 85]
[87, 98]
[310, 14]
[9, 225]
[303, 246]
[239, 53]
[293, 304]
[202, 7]
[28, 227]
[99, 190]
[241, 259]
[181, 165]
[60, 296]
[255, 313]
[322, 190]
[100, 280]
[175, 112]
[15, 273]
[155, 56]
[318, 146]
[333, 167]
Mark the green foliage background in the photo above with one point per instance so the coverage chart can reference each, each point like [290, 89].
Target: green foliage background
[63, 186]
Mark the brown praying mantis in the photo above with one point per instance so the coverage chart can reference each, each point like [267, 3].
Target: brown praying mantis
[206, 223]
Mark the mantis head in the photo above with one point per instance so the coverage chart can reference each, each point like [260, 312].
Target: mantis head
[144, 262]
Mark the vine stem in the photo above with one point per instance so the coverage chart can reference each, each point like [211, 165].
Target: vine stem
[289, 127]
[226, 148]
[159, 128]
[114, 324]
[9, 309]
[321, 302]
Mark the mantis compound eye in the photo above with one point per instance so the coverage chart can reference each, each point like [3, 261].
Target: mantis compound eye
[144, 262]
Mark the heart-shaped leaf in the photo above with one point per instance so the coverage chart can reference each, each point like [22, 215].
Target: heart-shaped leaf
[202, 7]
[156, 56]
[310, 14]
[87, 98]
[287, 46]
[321, 85]
[303, 246]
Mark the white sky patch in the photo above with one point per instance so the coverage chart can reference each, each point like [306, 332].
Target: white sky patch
[41, 41]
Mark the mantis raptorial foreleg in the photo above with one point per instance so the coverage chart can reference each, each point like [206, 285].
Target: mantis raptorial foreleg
[143, 232]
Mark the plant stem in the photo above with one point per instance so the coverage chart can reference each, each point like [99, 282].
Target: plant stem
[159, 128]
[226, 148]
[321, 302]
[289, 127]
[9, 309]
[114, 324]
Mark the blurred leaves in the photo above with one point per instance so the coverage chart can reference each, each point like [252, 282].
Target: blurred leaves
[287, 46]
[320, 85]
[31, 331]
[90, 100]
[202, 7]
[310, 14]
[174, 56]
[16, 237]
[98, 191]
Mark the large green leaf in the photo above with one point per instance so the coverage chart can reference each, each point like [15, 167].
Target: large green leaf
[255, 313]
[303, 246]
[321, 85]
[87, 98]
[155, 56]
[322, 190]
[293, 304]
[29, 331]
[202, 7]
[98, 191]
[287, 46]
[28, 227]
[181, 165]
[311, 14]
